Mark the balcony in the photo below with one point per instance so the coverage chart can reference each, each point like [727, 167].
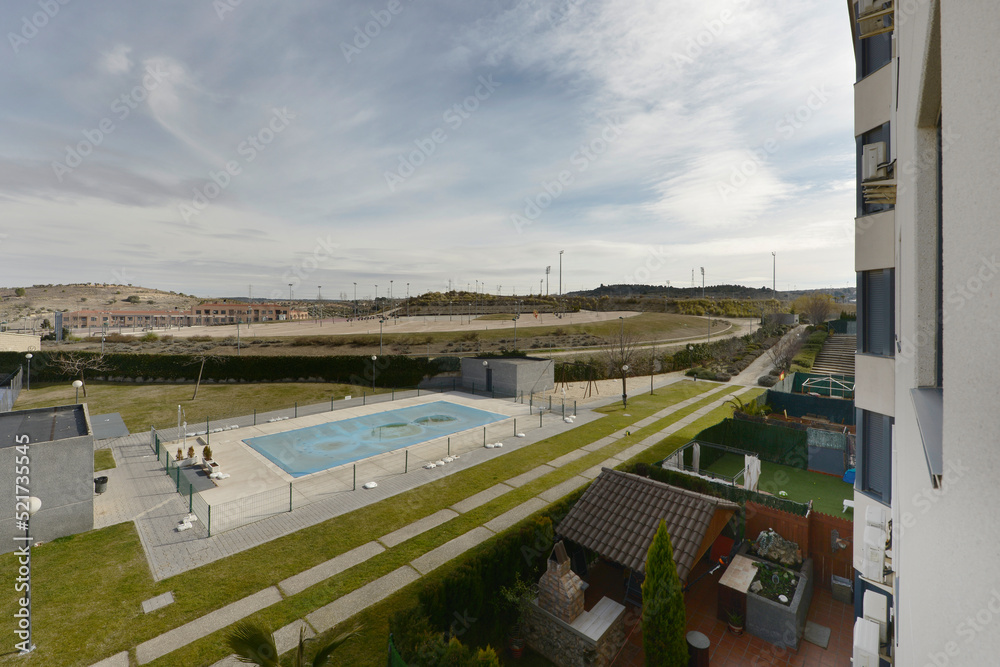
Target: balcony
[874, 17]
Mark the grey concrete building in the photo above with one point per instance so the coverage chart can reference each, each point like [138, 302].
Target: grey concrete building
[509, 376]
[58, 444]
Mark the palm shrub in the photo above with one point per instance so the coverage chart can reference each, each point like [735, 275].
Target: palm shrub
[663, 615]
[253, 643]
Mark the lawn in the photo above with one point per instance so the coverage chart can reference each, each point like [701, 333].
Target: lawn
[142, 406]
[826, 491]
[89, 587]
[104, 459]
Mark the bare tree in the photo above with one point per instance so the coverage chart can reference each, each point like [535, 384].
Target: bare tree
[782, 352]
[620, 351]
[817, 307]
[75, 365]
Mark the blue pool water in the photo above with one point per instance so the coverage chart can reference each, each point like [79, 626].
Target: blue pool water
[308, 450]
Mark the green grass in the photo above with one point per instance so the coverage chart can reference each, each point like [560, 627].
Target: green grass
[104, 459]
[806, 358]
[827, 492]
[113, 559]
[142, 406]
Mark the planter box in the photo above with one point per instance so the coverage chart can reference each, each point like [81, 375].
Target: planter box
[779, 624]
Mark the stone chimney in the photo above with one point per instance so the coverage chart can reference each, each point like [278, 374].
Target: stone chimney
[560, 590]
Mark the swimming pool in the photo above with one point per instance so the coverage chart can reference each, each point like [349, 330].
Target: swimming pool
[315, 448]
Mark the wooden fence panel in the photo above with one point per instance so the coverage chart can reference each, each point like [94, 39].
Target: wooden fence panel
[826, 561]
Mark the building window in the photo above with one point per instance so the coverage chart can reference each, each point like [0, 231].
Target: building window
[874, 474]
[876, 312]
[874, 54]
[879, 134]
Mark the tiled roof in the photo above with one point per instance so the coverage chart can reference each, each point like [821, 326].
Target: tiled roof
[619, 513]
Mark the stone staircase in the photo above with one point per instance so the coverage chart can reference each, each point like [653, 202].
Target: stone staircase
[837, 355]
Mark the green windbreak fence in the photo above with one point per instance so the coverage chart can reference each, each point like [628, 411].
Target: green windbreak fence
[395, 660]
[776, 444]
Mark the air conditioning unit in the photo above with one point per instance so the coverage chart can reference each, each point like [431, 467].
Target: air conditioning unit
[874, 554]
[873, 155]
[865, 643]
[875, 516]
[876, 610]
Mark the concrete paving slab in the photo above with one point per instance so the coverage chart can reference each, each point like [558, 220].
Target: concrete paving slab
[287, 638]
[512, 516]
[314, 575]
[343, 608]
[435, 558]
[626, 454]
[201, 627]
[603, 442]
[567, 458]
[529, 476]
[159, 602]
[117, 660]
[417, 527]
[567, 487]
[481, 498]
[591, 473]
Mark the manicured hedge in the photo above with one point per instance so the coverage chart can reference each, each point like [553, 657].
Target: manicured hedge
[390, 371]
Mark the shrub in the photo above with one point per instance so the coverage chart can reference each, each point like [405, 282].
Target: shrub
[663, 614]
[767, 380]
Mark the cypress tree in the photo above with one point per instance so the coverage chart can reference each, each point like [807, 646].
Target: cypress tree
[663, 616]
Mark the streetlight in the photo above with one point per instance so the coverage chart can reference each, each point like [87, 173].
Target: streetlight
[376, 297]
[76, 385]
[560, 271]
[381, 321]
[28, 357]
[319, 308]
[774, 274]
[703, 282]
[290, 295]
[624, 394]
[355, 299]
[373, 372]
[407, 299]
[515, 332]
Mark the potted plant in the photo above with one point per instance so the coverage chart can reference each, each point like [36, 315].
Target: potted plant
[517, 600]
[735, 622]
[191, 453]
[206, 453]
[180, 455]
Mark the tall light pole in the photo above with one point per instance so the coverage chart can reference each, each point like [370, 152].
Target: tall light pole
[28, 357]
[290, 296]
[319, 297]
[560, 271]
[515, 332]
[381, 321]
[355, 299]
[390, 294]
[703, 282]
[375, 302]
[548, 270]
[373, 372]
[407, 299]
[774, 275]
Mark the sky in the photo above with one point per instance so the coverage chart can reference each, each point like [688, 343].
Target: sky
[207, 146]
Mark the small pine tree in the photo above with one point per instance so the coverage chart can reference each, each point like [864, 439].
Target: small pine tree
[663, 615]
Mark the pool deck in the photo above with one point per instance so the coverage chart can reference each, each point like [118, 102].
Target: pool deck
[251, 472]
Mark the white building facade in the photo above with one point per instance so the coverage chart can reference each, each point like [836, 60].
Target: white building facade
[927, 256]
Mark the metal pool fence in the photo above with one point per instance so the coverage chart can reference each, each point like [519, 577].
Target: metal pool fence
[221, 517]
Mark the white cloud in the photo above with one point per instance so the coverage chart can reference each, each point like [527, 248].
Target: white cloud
[117, 61]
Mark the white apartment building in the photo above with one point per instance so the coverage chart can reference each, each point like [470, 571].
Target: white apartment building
[927, 492]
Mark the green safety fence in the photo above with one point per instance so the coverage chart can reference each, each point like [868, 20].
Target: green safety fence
[395, 659]
[777, 444]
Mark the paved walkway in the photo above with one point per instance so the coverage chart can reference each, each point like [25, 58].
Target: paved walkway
[346, 606]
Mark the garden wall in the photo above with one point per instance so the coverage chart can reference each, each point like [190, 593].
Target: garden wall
[813, 534]
[836, 410]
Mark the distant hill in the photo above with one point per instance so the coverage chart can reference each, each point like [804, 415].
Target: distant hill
[39, 302]
[711, 291]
